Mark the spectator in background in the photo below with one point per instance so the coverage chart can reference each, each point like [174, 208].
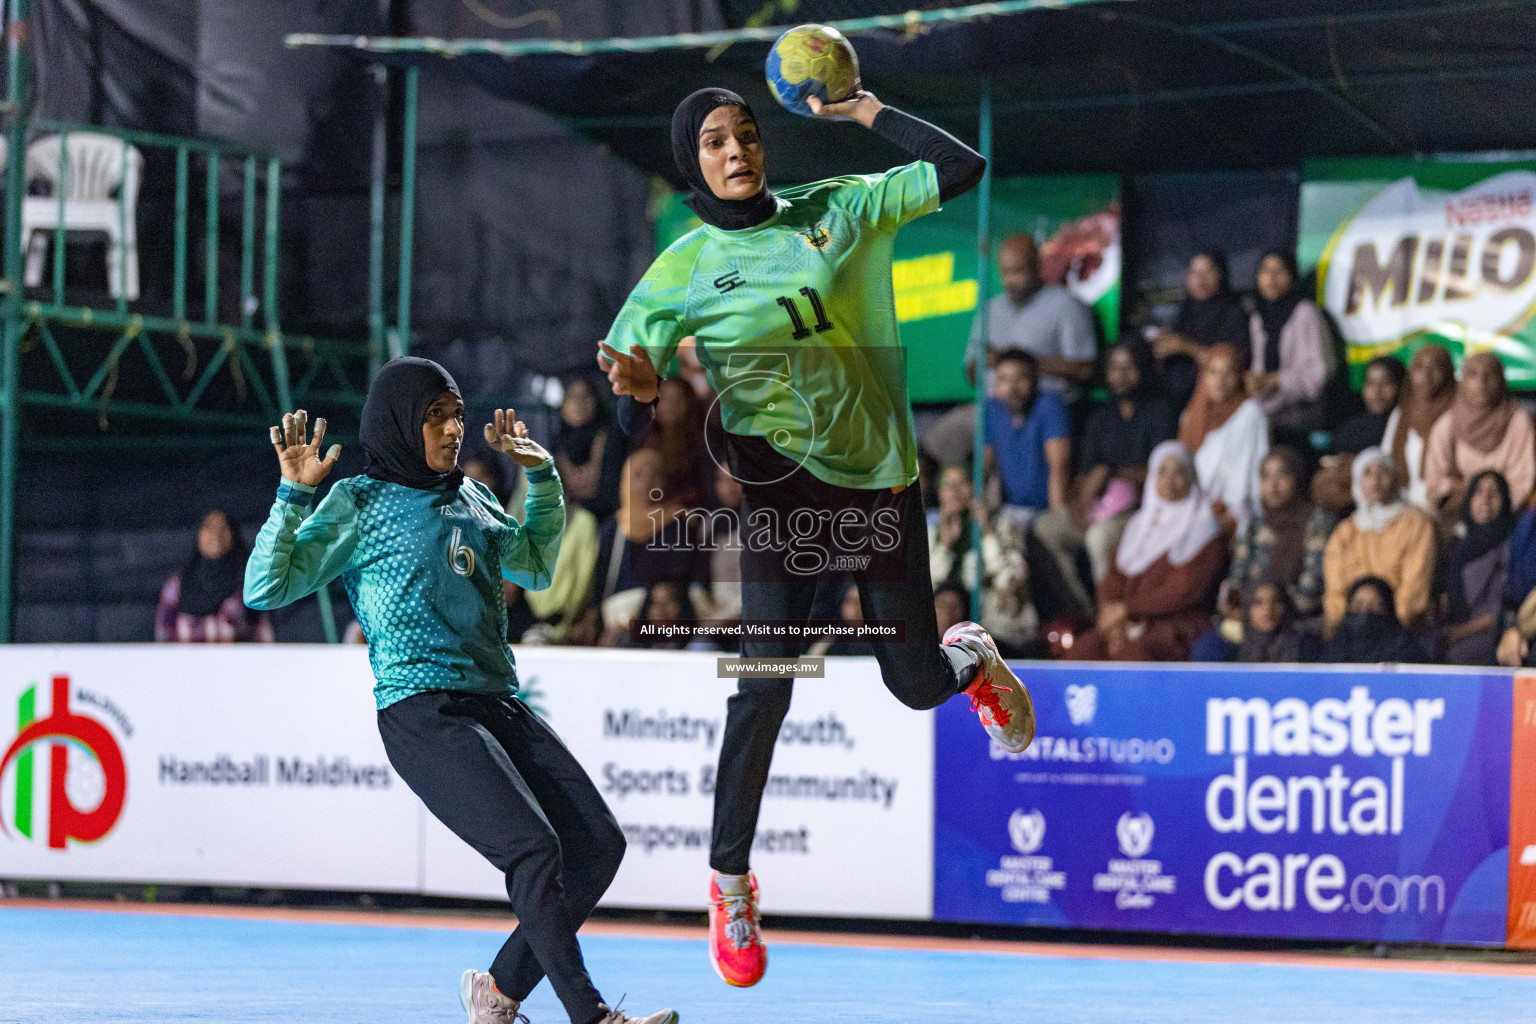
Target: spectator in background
[951, 605]
[677, 434]
[1112, 461]
[1380, 390]
[569, 592]
[1385, 538]
[589, 451]
[850, 612]
[1293, 351]
[1270, 632]
[664, 603]
[1484, 429]
[1029, 445]
[1476, 568]
[486, 468]
[1029, 439]
[1426, 397]
[1522, 557]
[1006, 610]
[1045, 320]
[725, 560]
[203, 602]
[1369, 633]
[1229, 435]
[1158, 595]
[1209, 315]
[1284, 544]
[628, 561]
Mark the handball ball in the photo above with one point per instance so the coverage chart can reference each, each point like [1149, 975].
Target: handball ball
[812, 60]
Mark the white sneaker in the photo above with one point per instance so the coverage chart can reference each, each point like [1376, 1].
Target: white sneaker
[483, 1001]
[659, 1017]
[1006, 710]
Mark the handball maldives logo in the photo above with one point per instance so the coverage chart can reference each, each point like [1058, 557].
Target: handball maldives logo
[85, 798]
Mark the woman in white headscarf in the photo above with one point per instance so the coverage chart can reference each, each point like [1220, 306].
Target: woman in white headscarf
[1158, 595]
[1386, 538]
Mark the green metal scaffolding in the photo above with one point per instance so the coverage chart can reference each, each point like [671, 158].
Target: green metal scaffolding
[248, 343]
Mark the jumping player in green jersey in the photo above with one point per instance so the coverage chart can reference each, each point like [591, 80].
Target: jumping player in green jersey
[790, 300]
[422, 551]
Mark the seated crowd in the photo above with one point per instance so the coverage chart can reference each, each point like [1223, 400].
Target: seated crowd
[1215, 505]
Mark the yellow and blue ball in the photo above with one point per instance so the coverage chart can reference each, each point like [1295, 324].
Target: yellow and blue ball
[812, 60]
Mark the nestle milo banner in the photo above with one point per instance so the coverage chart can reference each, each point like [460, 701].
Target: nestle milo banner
[1352, 804]
[1409, 252]
[1076, 220]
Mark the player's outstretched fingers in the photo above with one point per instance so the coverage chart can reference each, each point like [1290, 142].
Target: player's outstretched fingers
[330, 457]
[301, 426]
[288, 427]
[319, 434]
[276, 435]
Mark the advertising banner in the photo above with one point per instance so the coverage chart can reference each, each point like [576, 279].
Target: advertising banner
[202, 763]
[1522, 816]
[1075, 219]
[850, 790]
[1411, 252]
[1325, 804]
[262, 765]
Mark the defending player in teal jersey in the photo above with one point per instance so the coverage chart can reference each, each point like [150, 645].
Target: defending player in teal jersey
[790, 300]
[422, 551]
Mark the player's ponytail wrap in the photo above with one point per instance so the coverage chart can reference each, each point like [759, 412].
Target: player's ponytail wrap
[727, 214]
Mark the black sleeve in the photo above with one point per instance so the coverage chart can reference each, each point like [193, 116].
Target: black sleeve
[635, 417]
[959, 166]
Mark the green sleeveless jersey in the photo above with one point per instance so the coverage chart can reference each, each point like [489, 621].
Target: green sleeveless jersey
[795, 322]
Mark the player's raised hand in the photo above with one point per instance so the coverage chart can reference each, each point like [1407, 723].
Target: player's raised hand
[630, 374]
[862, 107]
[506, 433]
[299, 460]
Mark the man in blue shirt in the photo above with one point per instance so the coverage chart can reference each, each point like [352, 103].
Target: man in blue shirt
[1029, 446]
[1029, 438]
[422, 551]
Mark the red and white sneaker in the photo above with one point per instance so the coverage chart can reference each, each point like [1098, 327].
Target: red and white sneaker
[736, 949]
[997, 696]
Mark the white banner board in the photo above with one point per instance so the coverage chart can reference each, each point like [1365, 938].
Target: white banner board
[262, 765]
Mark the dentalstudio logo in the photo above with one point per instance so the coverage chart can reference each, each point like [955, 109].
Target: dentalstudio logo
[85, 792]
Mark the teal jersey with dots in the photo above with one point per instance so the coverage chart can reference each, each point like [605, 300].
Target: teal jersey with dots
[423, 569]
[795, 321]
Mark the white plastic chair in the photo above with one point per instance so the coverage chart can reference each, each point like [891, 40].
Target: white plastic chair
[94, 176]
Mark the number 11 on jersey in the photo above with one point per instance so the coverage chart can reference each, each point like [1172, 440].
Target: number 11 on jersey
[797, 321]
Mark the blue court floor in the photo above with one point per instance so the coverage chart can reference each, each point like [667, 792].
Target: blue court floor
[99, 967]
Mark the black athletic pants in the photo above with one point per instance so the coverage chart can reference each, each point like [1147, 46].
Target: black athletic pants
[502, 781]
[917, 670]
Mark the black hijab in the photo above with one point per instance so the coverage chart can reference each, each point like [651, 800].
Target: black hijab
[1275, 314]
[1284, 645]
[206, 583]
[577, 442]
[727, 214]
[393, 447]
[1370, 637]
[1366, 428]
[1480, 539]
[1217, 319]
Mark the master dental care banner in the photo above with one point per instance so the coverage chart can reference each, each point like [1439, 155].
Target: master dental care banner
[1411, 252]
[261, 765]
[1329, 804]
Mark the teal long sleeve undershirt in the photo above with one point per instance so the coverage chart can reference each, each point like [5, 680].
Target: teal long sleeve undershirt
[423, 569]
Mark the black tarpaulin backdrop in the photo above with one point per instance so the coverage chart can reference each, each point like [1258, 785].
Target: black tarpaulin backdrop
[1115, 86]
